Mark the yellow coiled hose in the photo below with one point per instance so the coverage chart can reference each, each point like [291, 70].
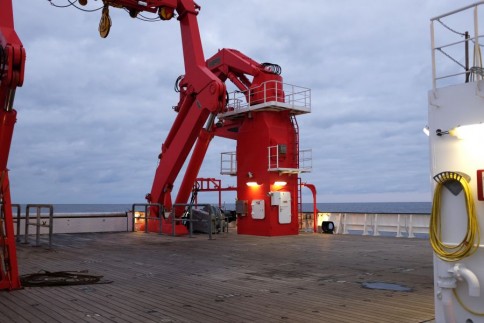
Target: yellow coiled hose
[471, 240]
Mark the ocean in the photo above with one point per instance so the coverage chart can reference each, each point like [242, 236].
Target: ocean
[381, 207]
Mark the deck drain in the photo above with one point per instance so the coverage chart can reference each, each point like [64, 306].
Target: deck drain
[386, 286]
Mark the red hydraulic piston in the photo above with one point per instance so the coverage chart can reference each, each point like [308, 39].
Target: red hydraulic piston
[12, 64]
[9, 277]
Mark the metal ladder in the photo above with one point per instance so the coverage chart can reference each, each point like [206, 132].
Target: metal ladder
[296, 139]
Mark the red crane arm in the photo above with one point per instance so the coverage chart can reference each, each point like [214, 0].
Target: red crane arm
[12, 64]
[226, 64]
[203, 94]
[232, 64]
[12, 57]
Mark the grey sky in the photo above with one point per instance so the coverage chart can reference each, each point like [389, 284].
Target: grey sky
[93, 112]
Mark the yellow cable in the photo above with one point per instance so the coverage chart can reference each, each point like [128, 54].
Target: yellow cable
[464, 306]
[470, 243]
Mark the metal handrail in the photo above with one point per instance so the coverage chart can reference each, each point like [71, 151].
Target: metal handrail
[305, 159]
[231, 160]
[146, 212]
[292, 95]
[190, 219]
[38, 223]
[19, 208]
[474, 39]
[458, 10]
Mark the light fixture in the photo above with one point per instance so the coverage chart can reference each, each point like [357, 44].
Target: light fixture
[426, 130]
[252, 184]
[440, 132]
[280, 183]
[468, 131]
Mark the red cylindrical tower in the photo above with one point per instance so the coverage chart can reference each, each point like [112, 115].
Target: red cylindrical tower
[267, 155]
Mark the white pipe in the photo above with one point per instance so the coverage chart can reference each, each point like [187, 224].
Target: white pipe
[447, 282]
[463, 273]
[432, 45]
[447, 304]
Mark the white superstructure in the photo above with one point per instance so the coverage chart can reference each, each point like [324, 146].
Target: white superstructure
[456, 136]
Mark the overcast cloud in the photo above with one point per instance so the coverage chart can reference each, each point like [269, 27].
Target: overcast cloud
[93, 112]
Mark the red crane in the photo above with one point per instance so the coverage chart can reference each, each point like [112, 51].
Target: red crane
[203, 96]
[12, 64]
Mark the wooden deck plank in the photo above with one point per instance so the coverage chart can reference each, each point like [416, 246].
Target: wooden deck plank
[31, 306]
[305, 278]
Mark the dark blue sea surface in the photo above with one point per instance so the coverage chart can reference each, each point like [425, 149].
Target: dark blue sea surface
[392, 207]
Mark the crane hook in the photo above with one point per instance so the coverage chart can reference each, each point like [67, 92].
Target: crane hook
[105, 22]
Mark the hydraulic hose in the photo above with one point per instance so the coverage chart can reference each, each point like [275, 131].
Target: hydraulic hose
[470, 243]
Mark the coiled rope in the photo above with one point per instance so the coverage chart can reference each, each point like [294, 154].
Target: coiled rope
[470, 243]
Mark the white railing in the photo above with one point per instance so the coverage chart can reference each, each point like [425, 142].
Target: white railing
[447, 56]
[274, 155]
[292, 96]
[83, 222]
[306, 160]
[228, 163]
[374, 224]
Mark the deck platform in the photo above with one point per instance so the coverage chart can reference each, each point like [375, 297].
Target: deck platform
[233, 278]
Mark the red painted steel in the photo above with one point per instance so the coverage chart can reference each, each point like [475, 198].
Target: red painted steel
[12, 64]
[202, 97]
[233, 65]
[202, 93]
[212, 185]
[312, 188]
[258, 131]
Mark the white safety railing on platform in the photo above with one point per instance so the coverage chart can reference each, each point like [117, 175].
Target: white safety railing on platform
[374, 224]
[452, 34]
[228, 163]
[275, 153]
[292, 96]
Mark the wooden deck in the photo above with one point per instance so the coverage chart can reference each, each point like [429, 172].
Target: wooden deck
[234, 278]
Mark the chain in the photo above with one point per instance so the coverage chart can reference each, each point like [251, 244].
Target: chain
[452, 30]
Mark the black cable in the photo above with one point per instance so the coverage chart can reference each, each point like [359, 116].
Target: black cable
[177, 83]
[143, 18]
[58, 6]
[73, 4]
[451, 29]
[273, 68]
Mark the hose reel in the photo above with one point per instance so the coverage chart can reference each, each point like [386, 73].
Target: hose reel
[455, 182]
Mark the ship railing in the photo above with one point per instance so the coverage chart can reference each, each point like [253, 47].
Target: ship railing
[39, 222]
[397, 225]
[86, 222]
[450, 53]
[289, 95]
[190, 220]
[276, 154]
[228, 163]
[146, 215]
